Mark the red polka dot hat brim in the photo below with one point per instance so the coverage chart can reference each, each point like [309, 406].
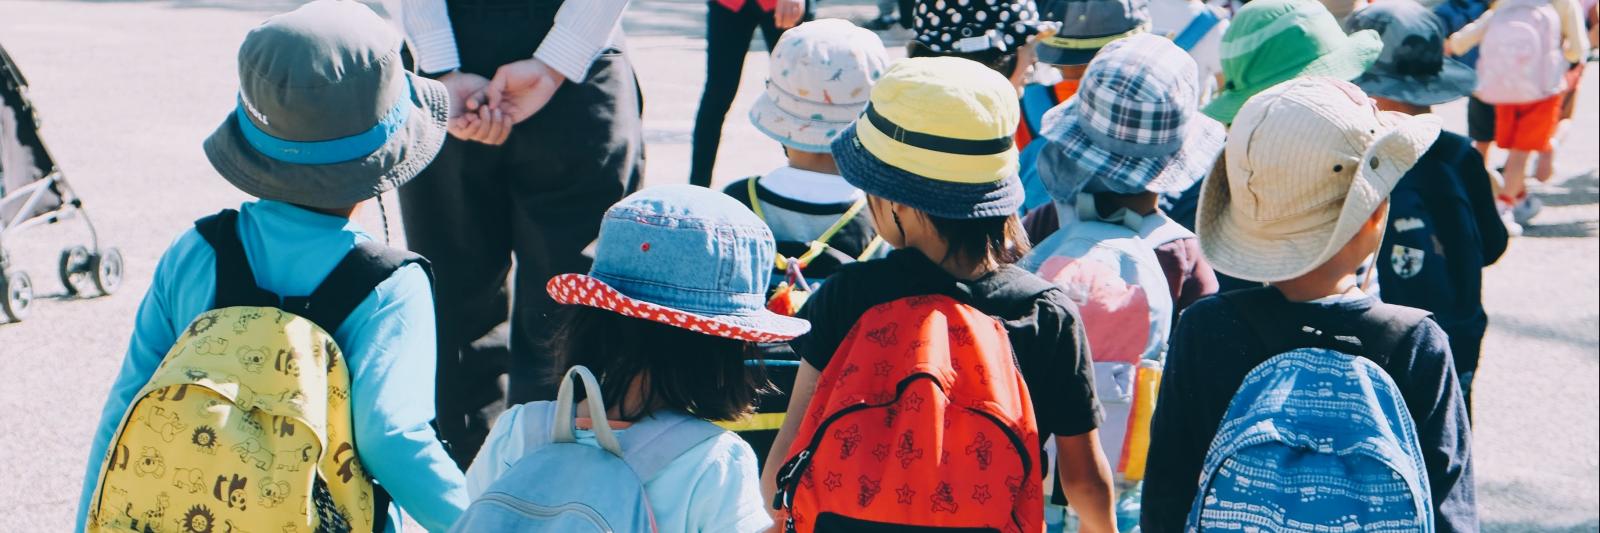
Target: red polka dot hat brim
[763, 326]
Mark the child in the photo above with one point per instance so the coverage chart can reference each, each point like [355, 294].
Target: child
[1300, 206]
[320, 72]
[1443, 227]
[1133, 134]
[666, 324]
[1197, 28]
[822, 72]
[942, 187]
[1522, 74]
[1085, 26]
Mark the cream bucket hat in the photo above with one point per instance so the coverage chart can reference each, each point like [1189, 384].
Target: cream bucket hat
[1308, 161]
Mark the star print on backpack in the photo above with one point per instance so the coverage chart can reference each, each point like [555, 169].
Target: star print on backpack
[924, 409]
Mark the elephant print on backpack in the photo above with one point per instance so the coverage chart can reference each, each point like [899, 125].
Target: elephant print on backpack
[292, 460]
[211, 346]
[252, 452]
[191, 480]
[163, 422]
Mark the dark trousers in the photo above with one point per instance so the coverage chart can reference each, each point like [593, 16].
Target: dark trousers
[539, 197]
[728, 36]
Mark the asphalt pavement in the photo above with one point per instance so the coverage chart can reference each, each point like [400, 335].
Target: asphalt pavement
[127, 90]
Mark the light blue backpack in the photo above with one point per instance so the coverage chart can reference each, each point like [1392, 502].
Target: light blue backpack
[563, 486]
[1316, 439]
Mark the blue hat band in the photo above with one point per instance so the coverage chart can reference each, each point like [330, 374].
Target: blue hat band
[330, 151]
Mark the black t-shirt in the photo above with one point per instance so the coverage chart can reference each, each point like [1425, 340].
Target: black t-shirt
[1048, 341]
[1213, 348]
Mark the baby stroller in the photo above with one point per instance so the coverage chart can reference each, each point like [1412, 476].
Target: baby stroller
[33, 192]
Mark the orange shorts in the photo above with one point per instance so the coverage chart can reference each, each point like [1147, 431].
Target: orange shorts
[1527, 126]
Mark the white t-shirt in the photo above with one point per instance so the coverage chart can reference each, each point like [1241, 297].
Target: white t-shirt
[1168, 18]
[713, 487]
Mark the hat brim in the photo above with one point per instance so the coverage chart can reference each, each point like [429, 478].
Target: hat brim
[1347, 62]
[763, 326]
[799, 133]
[1053, 55]
[1073, 160]
[1239, 249]
[944, 199]
[1453, 82]
[337, 185]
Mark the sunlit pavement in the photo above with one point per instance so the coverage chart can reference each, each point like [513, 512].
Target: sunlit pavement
[127, 89]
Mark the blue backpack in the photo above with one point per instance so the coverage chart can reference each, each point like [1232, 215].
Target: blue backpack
[608, 494]
[1317, 438]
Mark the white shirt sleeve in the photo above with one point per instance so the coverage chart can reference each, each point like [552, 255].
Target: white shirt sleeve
[583, 28]
[426, 23]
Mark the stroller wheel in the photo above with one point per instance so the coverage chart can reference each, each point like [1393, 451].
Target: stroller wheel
[17, 289]
[74, 269]
[107, 269]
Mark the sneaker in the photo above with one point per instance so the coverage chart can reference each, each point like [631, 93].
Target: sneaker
[881, 23]
[1513, 229]
[1526, 209]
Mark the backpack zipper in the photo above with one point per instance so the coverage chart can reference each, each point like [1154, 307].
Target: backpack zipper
[542, 511]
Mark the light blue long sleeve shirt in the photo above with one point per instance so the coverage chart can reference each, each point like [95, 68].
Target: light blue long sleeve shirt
[388, 342]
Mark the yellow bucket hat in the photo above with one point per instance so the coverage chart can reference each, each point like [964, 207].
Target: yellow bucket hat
[937, 136]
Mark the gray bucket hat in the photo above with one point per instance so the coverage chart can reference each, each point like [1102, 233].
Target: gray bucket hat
[1412, 68]
[1086, 26]
[327, 115]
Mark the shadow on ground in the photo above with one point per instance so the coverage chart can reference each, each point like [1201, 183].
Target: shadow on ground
[1577, 191]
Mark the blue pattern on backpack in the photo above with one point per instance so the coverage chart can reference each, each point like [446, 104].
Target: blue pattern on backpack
[1315, 440]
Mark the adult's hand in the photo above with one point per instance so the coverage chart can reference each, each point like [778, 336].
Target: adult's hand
[521, 88]
[788, 13]
[482, 123]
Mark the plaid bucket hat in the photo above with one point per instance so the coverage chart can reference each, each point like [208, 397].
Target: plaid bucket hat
[971, 26]
[1273, 41]
[1133, 126]
[821, 75]
[684, 256]
[1413, 67]
[937, 136]
[327, 115]
[1086, 26]
[1308, 162]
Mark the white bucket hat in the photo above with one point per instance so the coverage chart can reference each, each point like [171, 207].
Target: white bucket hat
[1308, 161]
[821, 76]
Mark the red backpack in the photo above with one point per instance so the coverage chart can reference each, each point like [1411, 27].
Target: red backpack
[921, 420]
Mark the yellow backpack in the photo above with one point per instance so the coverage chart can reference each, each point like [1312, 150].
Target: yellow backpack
[246, 423]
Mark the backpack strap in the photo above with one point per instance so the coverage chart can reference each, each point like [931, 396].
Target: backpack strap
[1373, 335]
[819, 245]
[357, 274]
[1197, 29]
[236, 281]
[653, 443]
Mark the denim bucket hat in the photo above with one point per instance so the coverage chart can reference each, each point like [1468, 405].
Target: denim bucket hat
[684, 256]
[821, 75]
[1412, 68]
[937, 136]
[1086, 26]
[1272, 41]
[1133, 127]
[327, 115]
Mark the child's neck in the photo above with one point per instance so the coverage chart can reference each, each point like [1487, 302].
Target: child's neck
[813, 161]
[1318, 284]
[1139, 204]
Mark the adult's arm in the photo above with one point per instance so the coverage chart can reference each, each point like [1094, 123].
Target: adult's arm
[1442, 428]
[583, 28]
[390, 340]
[426, 24]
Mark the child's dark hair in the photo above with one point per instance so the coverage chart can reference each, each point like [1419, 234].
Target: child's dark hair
[681, 369]
[1000, 238]
[1003, 62]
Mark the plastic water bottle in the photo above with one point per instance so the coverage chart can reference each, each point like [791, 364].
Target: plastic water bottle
[1055, 518]
[1128, 509]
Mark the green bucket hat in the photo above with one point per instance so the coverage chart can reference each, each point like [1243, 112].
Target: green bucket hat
[327, 115]
[1273, 41]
